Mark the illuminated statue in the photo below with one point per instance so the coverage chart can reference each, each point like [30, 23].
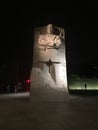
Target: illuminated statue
[49, 52]
[50, 39]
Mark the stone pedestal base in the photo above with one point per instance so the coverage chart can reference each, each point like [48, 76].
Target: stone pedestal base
[48, 94]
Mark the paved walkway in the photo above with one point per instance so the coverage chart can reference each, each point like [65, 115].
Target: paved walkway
[15, 95]
[75, 113]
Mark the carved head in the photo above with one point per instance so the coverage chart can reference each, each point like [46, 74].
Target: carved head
[50, 28]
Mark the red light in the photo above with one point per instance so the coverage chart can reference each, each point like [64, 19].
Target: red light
[28, 81]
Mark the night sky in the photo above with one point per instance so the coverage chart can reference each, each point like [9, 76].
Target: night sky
[18, 21]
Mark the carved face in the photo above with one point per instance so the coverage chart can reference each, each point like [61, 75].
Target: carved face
[50, 29]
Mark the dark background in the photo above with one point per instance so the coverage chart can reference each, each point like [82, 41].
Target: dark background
[17, 23]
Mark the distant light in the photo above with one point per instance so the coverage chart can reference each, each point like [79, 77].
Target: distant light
[28, 81]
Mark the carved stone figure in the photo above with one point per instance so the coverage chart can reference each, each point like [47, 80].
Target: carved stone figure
[49, 60]
[50, 39]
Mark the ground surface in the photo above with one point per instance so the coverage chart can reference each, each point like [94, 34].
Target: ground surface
[75, 113]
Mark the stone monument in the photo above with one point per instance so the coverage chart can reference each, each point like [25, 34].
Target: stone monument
[49, 59]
